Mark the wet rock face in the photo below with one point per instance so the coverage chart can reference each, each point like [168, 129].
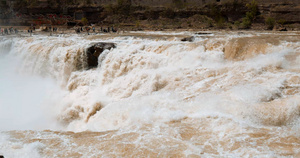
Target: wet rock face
[94, 50]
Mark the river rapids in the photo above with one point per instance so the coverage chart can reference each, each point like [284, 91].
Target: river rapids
[222, 94]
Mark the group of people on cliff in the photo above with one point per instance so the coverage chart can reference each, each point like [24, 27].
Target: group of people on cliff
[51, 29]
[11, 30]
[7, 31]
[87, 29]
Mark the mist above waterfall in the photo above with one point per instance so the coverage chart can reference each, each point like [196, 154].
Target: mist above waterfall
[26, 101]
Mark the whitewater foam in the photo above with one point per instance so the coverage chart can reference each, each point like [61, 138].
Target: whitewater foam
[155, 95]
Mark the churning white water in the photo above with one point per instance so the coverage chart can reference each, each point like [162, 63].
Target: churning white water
[224, 94]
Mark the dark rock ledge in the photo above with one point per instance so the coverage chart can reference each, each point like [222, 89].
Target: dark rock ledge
[94, 50]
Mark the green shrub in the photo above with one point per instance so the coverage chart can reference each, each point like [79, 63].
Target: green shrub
[281, 21]
[253, 10]
[250, 15]
[84, 21]
[237, 24]
[270, 22]
[221, 23]
[137, 24]
[246, 23]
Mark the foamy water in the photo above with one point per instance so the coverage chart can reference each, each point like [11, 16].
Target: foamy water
[223, 95]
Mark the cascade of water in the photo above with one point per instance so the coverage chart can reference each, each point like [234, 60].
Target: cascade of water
[148, 86]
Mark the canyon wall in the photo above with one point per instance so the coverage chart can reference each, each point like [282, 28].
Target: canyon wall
[12, 12]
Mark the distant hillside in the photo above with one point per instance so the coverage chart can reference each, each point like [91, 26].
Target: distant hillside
[159, 14]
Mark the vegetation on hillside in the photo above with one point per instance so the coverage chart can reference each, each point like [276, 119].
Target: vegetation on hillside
[270, 22]
[232, 14]
[250, 14]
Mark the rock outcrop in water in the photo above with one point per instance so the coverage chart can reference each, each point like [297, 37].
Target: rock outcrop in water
[189, 39]
[94, 51]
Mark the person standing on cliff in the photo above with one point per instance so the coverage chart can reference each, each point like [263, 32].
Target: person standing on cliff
[88, 30]
[77, 30]
[11, 30]
[6, 31]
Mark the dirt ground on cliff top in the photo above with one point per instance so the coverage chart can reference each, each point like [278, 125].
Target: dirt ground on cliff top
[129, 31]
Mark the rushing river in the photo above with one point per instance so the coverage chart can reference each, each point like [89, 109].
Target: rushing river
[224, 94]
